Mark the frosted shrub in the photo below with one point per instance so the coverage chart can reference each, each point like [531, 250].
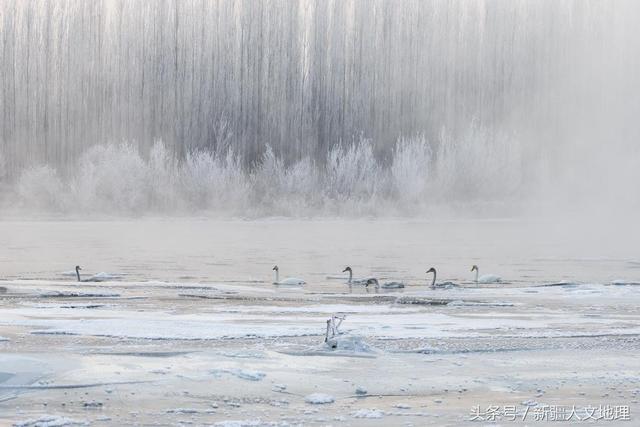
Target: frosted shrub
[162, 176]
[112, 178]
[410, 169]
[352, 172]
[303, 183]
[478, 167]
[212, 182]
[267, 179]
[40, 188]
[284, 190]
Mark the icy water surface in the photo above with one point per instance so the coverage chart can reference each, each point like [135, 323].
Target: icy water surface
[186, 327]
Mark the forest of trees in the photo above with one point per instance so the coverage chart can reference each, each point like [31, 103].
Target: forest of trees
[298, 75]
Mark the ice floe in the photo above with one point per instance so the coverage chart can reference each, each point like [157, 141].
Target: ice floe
[319, 399]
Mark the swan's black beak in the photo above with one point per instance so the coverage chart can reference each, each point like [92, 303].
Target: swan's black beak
[275, 268]
[346, 269]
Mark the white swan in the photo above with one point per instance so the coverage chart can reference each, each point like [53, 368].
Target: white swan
[443, 285]
[100, 277]
[289, 281]
[386, 285]
[485, 278]
[357, 282]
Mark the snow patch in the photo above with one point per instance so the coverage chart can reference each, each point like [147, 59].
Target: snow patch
[50, 421]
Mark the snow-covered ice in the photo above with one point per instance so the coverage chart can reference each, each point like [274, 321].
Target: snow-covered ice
[203, 337]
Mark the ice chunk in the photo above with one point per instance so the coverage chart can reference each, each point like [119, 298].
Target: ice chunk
[361, 391]
[247, 374]
[92, 404]
[348, 343]
[367, 413]
[319, 399]
[279, 387]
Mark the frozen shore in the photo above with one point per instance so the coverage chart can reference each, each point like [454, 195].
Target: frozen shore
[166, 344]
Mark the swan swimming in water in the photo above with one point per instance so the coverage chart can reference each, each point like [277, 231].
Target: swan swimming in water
[386, 285]
[95, 278]
[371, 281]
[358, 282]
[290, 281]
[443, 285]
[485, 278]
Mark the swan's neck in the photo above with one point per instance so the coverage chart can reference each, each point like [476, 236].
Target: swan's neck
[277, 276]
[350, 275]
[433, 282]
[78, 274]
[477, 274]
